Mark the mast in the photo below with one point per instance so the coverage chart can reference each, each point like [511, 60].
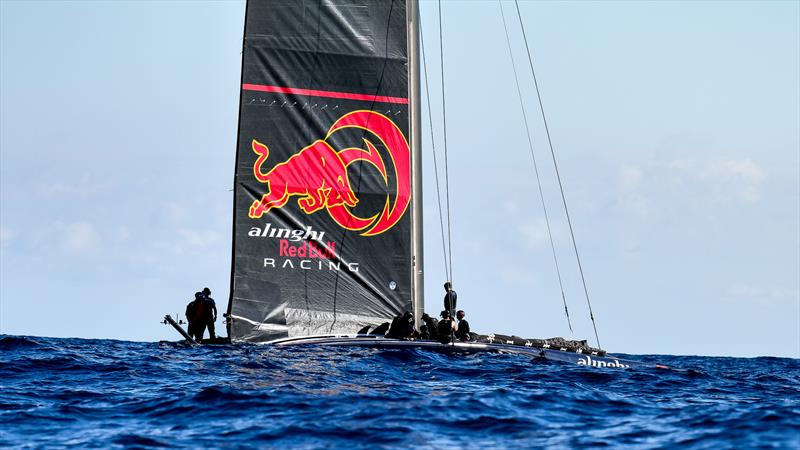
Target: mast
[417, 257]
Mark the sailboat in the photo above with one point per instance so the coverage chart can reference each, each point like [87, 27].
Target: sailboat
[327, 230]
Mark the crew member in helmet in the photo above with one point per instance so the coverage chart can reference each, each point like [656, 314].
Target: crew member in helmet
[462, 333]
[210, 312]
[446, 327]
[450, 298]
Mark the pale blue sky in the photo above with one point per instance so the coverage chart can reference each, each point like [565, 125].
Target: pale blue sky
[676, 125]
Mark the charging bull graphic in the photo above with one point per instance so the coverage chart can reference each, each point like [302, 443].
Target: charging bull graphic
[317, 174]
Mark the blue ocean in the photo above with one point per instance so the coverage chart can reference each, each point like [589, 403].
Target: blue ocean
[114, 394]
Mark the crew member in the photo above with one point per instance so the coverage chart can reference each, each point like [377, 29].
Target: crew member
[462, 333]
[210, 312]
[195, 315]
[402, 326]
[428, 329]
[446, 327]
[450, 298]
[394, 328]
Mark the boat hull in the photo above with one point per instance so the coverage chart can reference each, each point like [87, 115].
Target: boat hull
[377, 341]
[380, 342]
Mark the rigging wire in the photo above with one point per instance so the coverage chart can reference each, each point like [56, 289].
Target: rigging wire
[433, 147]
[535, 166]
[446, 168]
[558, 175]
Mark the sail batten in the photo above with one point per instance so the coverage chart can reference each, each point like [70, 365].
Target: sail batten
[322, 228]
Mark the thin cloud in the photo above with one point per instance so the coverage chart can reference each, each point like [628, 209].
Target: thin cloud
[743, 292]
[534, 233]
[123, 233]
[188, 241]
[176, 214]
[6, 235]
[79, 188]
[80, 237]
[647, 190]
[632, 197]
[630, 177]
[198, 239]
[726, 179]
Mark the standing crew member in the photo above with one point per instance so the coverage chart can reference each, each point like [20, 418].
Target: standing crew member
[462, 333]
[450, 298]
[210, 312]
[195, 315]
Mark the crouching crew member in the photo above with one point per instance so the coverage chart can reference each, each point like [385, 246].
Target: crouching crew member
[446, 327]
[428, 329]
[402, 327]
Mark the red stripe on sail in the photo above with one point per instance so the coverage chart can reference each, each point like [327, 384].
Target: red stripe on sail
[328, 94]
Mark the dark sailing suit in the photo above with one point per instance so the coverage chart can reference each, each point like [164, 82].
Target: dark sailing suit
[431, 326]
[394, 328]
[463, 330]
[210, 315]
[195, 315]
[444, 330]
[190, 312]
[401, 328]
[450, 299]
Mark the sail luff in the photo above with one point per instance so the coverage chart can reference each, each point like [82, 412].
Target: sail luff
[414, 104]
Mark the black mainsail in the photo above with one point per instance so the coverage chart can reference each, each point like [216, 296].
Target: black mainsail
[322, 233]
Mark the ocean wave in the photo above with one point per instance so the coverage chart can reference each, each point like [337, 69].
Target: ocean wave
[100, 393]
[11, 343]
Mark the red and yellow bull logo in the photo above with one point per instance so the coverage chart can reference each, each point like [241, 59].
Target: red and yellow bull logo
[317, 175]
